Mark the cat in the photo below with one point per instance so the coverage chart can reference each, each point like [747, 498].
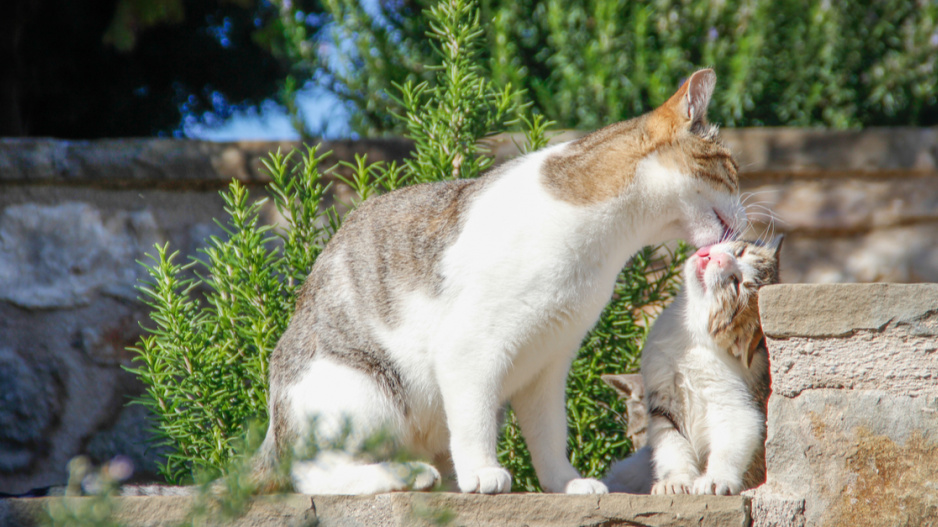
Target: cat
[705, 376]
[436, 304]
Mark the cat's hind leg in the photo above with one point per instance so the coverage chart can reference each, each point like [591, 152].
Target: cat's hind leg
[340, 409]
[336, 472]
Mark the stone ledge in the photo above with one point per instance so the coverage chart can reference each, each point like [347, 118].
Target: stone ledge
[162, 163]
[762, 152]
[838, 310]
[416, 509]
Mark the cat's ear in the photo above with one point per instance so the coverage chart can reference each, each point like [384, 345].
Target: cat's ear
[689, 103]
[627, 385]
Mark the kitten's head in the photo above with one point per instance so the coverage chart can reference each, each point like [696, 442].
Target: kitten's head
[691, 164]
[722, 285]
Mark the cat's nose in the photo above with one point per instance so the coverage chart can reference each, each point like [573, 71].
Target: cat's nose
[722, 259]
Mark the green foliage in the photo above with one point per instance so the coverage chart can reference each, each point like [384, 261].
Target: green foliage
[216, 319]
[446, 119]
[205, 360]
[587, 63]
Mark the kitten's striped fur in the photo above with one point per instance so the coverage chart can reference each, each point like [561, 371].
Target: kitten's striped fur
[435, 304]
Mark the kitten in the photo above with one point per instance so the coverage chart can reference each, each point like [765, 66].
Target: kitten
[436, 304]
[705, 372]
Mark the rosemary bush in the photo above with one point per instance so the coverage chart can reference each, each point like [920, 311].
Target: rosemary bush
[204, 361]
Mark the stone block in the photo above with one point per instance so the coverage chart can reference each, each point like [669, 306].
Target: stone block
[425, 509]
[853, 416]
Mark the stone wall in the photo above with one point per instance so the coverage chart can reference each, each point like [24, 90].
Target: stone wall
[75, 216]
[853, 416]
[74, 219]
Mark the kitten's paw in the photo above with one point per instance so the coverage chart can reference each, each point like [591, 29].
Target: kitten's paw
[488, 480]
[586, 486]
[672, 485]
[709, 485]
[423, 476]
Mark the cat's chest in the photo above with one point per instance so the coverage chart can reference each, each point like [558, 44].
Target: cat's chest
[711, 376]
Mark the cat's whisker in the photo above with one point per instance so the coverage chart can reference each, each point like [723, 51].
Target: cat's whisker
[754, 193]
[766, 216]
[762, 211]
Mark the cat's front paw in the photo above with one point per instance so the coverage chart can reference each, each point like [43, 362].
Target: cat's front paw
[710, 485]
[586, 486]
[488, 480]
[672, 485]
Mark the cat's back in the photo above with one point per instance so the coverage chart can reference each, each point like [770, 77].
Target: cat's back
[390, 244]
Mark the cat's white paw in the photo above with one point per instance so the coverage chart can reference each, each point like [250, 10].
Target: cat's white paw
[423, 476]
[488, 480]
[672, 485]
[586, 486]
[709, 485]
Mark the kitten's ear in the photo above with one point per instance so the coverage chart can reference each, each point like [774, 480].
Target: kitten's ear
[753, 346]
[690, 101]
[776, 244]
[627, 385]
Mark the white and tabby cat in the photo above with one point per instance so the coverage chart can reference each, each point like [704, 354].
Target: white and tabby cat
[436, 304]
[705, 373]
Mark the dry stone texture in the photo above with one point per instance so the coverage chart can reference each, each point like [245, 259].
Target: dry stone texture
[853, 416]
[425, 509]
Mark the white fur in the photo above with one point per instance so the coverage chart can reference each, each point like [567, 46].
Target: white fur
[527, 277]
[722, 429]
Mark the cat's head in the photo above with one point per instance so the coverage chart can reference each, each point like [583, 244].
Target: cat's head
[721, 283]
[668, 163]
[692, 167]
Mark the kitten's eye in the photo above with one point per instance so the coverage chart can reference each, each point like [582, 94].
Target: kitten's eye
[735, 280]
[739, 252]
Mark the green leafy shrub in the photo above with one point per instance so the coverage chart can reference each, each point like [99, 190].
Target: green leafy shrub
[586, 63]
[204, 361]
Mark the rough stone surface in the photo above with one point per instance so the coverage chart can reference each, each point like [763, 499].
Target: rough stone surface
[58, 257]
[812, 310]
[774, 510]
[161, 163]
[858, 457]
[417, 509]
[853, 415]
